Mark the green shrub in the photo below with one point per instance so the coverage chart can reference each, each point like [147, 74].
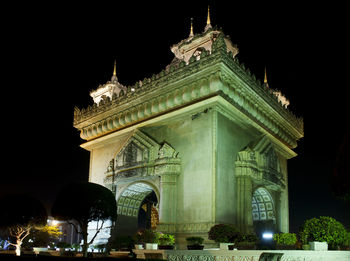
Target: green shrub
[323, 229]
[223, 233]
[346, 242]
[166, 239]
[63, 245]
[194, 240]
[247, 238]
[285, 238]
[76, 247]
[149, 236]
[122, 242]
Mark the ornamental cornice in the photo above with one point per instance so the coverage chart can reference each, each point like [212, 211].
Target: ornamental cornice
[205, 76]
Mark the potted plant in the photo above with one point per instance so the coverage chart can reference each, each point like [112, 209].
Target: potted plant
[303, 238]
[138, 241]
[223, 234]
[346, 244]
[151, 238]
[246, 242]
[324, 229]
[123, 243]
[195, 243]
[285, 241]
[62, 246]
[166, 241]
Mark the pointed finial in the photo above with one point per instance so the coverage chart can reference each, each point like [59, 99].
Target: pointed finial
[208, 17]
[265, 79]
[191, 31]
[115, 68]
[208, 21]
[114, 77]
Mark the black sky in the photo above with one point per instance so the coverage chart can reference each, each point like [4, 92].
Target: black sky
[54, 55]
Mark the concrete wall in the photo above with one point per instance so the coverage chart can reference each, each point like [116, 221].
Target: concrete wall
[230, 140]
[192, 139]
[283, 210]
[101, 156]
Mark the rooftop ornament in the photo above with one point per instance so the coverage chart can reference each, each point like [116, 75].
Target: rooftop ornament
[106, 91]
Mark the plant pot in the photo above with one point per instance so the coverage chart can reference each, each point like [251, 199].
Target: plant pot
[306, 247]
[171, 247]
[318, 246]
[37, 250]
[246, 246]
[151, 246]
[195, 247]
[138, 246]
[225, 246]
[286, 247]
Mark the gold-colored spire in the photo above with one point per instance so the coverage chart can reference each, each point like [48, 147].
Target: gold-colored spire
[191, 31]
[265, 79]
[115, 68]
[114, 77]
[208, 17]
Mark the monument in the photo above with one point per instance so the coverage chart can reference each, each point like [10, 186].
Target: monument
[200, 143]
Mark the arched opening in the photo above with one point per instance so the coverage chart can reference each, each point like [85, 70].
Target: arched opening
[148, 213]
[137, 209]
[263, 211]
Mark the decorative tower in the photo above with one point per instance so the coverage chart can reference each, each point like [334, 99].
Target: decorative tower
[200, 143]
[112, 87]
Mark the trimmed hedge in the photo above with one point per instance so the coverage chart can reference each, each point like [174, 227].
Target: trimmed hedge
[323, 229]
[285, 239]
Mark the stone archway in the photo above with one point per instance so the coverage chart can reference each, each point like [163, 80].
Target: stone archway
[263, 211]
[263, 205]
[142, 166]
[257, 166]
[137, 206]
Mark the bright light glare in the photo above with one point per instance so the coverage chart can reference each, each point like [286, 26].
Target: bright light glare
[54, 222]
[267, 235]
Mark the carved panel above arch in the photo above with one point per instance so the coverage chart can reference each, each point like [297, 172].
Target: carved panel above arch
[259, 161]
[142, 157]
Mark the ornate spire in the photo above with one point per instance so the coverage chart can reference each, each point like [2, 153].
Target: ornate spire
[114, 77]
[208, 17]
[191, 31]
[208, 21]
[265, 79]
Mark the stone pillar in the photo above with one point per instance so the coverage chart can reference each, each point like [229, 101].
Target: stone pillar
[168, 169]
[244, 203]
[283, 211]
[168, 197]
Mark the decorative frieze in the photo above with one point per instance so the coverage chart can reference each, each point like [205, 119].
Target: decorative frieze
[255, 255]
[215, 73]
[260, 162]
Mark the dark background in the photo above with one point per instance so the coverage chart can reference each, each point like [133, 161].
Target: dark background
[54, 55]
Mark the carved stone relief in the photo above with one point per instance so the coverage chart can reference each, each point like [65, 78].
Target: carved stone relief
[137, 164]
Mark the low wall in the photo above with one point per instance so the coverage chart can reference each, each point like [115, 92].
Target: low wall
[240, 255]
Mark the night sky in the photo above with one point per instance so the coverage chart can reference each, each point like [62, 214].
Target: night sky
[54, 55]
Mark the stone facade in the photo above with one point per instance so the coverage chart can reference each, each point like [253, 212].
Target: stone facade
[208, 138]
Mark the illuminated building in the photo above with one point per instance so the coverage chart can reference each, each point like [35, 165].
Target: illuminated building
[204, 140]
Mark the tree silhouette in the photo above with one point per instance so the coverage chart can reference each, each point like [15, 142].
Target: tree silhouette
[19, 215]
[84, 203]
